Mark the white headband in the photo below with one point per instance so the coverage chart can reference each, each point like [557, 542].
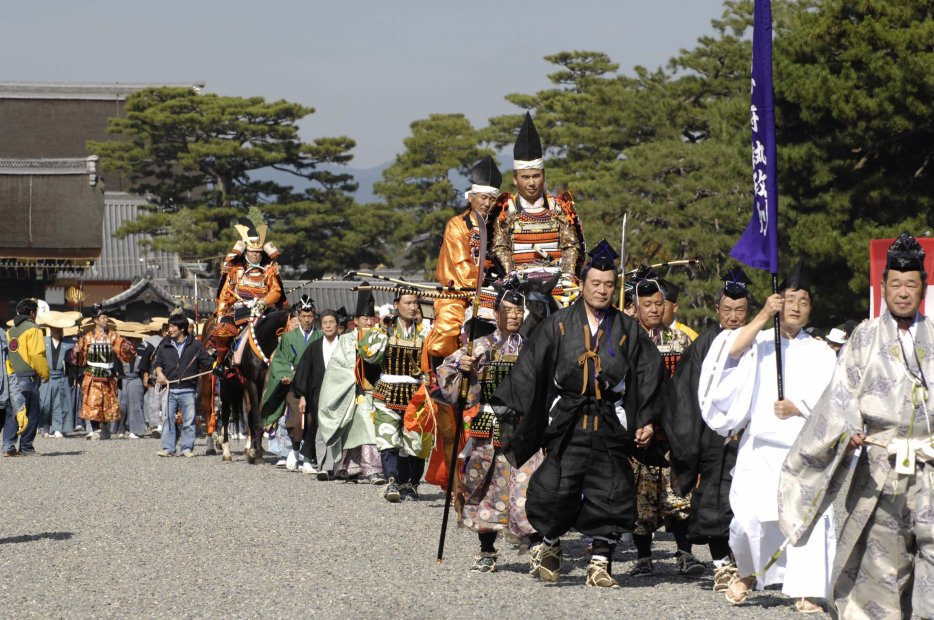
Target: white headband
[481, 189]
[535, 164]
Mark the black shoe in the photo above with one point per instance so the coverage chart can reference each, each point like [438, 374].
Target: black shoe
[391, 494]
[642, 567]
[324, 476]
[407, 493]
[484, 563]
[10, 452]
[376, 479]
[689, 565]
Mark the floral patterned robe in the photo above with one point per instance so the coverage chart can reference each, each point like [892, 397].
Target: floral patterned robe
[885, 555]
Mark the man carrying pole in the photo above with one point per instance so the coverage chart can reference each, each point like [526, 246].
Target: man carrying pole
[490, 483]
[741, 391]
[463, 389]
[459, 261]
[738, 394]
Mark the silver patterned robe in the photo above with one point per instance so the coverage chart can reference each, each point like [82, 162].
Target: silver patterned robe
[884, 564]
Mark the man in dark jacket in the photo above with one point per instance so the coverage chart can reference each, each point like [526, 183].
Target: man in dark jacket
[178, 359]
[701, 460]
[587, 387]
[306, 388]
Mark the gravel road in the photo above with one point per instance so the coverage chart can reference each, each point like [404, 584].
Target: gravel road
[108, 529]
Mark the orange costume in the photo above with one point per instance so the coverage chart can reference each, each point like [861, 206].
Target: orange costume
[248, 284]
[458, 263]
[246, 288]
[457, 266]
[245, 283]
[98, 350]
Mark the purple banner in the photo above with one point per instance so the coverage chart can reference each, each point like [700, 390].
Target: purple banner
[758, 247]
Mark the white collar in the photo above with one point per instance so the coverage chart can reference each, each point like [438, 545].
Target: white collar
[530, 206]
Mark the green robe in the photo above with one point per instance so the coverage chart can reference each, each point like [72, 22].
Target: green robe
[282, 364]
[345, 413]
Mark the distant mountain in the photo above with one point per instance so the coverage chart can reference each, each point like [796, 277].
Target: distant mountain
[365, 178]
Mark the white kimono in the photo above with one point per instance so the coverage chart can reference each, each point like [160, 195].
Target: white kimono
[739, 395]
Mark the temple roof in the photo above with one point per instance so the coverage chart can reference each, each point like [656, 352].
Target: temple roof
[127, 258]
[145, 291]
[50, 214]
[86, 90]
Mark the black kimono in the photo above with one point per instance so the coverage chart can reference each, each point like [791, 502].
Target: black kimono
[309, 375]
[697, 451]
[558, 397]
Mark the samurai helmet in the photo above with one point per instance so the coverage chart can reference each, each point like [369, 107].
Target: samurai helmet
[253, 237]
[305, 304]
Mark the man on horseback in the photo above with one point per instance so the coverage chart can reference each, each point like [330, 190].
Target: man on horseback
[535, 230]
[458, 262]
[250, 284]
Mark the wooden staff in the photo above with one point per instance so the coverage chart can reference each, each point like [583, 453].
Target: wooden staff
[464, 388]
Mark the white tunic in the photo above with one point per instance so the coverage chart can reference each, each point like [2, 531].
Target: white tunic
[739, 395]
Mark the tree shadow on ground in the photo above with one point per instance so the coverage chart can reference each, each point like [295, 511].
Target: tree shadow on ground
[10, 540]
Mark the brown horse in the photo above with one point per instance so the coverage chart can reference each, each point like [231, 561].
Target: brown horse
[244, 387]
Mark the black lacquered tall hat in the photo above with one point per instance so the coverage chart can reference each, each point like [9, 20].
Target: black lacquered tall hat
[670, 290]
[646, 281]
[799, 278]
[905, 254]
[485, 177]
[366, 304]
[342, 317]
[735, 283]
[527, 153]
[602, 257]
[509, 290]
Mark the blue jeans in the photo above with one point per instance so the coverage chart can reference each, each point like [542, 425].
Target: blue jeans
[184, 400]
[29, 385]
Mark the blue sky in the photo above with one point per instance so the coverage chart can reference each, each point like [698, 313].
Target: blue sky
[368, 68]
